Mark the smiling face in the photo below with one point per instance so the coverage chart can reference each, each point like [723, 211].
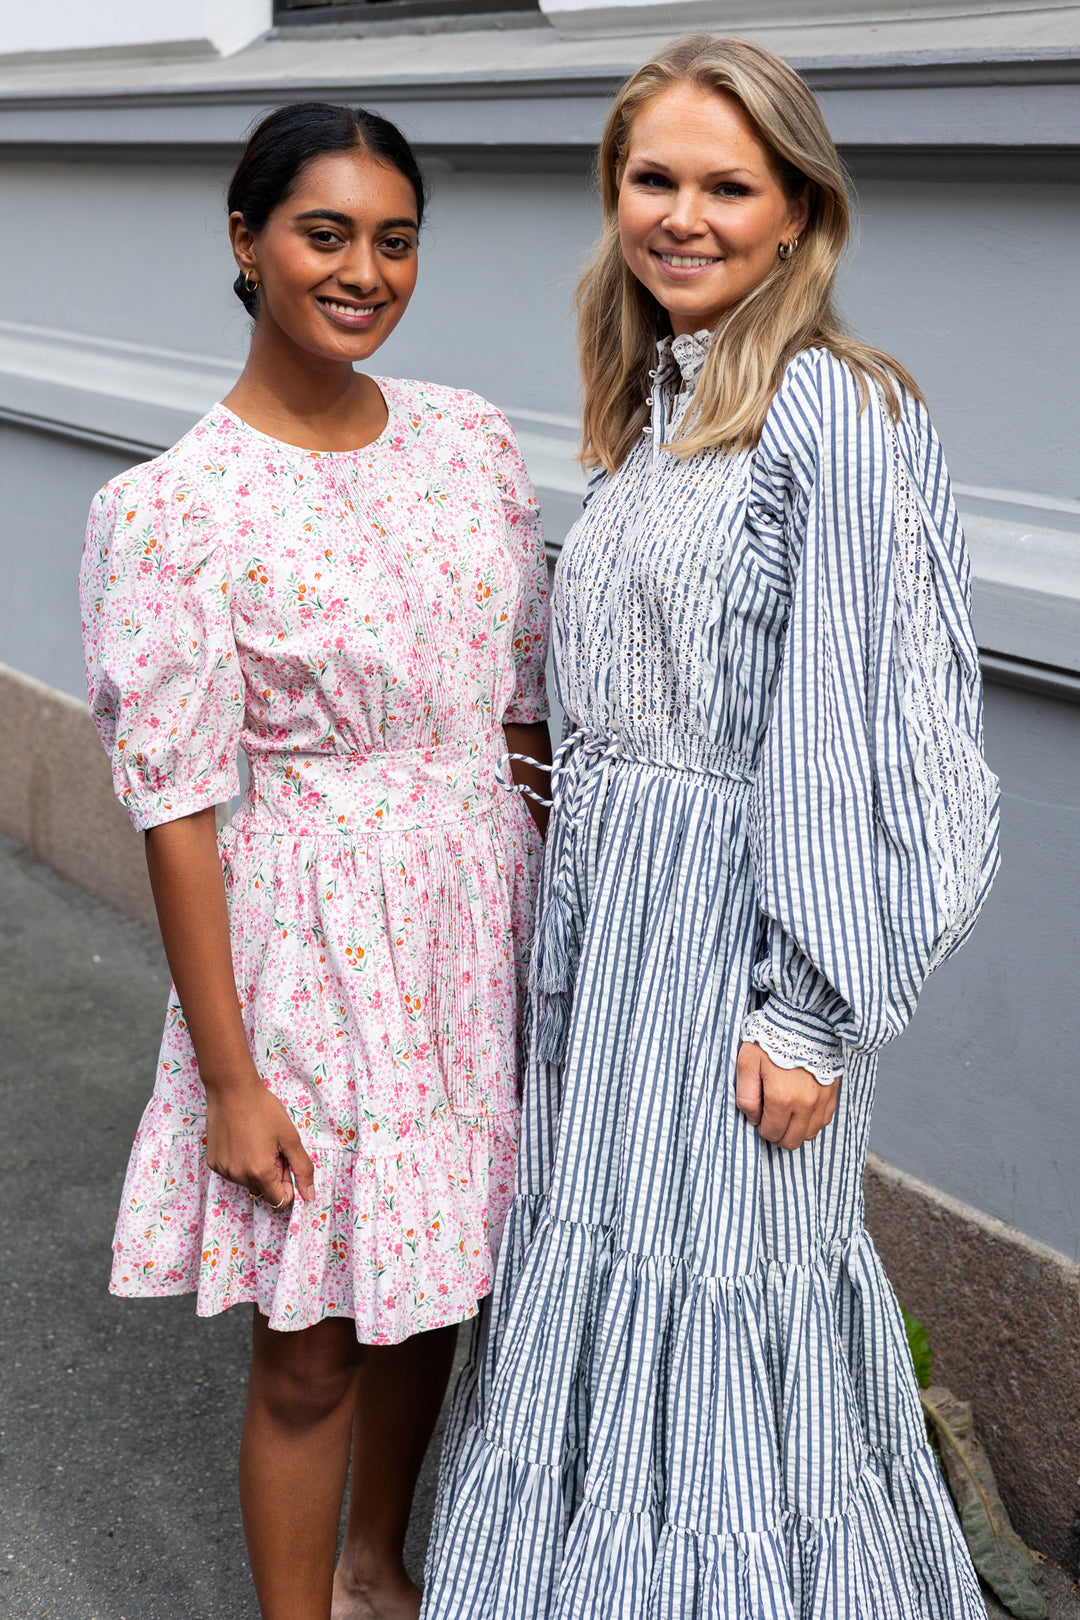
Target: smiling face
[701, 211]
[336, 261]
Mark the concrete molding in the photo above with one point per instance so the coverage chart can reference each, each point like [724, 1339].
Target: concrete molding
[978, 77]
[1003, 1315]
[564, 116]
[584, 18]
[56, 795]
[1025, 546]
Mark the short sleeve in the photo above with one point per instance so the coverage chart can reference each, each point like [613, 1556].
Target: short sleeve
[521, 514]
[164, 678]
[875, 817]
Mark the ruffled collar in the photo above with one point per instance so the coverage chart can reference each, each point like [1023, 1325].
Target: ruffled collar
[683, 356]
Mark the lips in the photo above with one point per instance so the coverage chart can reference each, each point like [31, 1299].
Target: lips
[685, 267]
[348, 314]
[686, 261]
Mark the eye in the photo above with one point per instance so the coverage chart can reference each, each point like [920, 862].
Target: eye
[397, 244]
[731, 188]
[652, 180]
[326, 237]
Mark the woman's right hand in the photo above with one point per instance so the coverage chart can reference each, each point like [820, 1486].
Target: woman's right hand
[251, 1140]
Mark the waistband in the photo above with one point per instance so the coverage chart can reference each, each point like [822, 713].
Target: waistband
[379, 792]
[586, 749]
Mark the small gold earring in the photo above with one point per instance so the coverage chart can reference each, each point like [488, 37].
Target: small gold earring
[786, 249]
[252, 286]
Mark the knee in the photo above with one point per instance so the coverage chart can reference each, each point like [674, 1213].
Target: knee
[302, 1378]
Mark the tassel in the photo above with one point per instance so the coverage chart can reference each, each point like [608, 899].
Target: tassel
[554, 1028]
[550, 970]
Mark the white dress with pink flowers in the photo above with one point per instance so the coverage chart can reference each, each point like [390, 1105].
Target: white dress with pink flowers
[362, 624]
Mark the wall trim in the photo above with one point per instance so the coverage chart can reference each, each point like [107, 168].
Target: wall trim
[137, 448]
[994, 1228]
[584, 19]
[980, 77]
[1026, 676]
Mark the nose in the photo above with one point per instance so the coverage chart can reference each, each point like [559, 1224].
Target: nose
[360, 272]
[683, 219]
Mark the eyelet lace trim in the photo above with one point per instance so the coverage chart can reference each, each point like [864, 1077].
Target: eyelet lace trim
[790, 1051]
[940, 703]
[659, 602]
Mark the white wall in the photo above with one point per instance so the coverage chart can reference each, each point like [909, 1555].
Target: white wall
[75, 25]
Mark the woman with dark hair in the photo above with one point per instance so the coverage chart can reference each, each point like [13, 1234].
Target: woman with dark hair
[343, 575]
[771, 820]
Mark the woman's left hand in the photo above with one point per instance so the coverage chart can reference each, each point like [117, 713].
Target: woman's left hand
[788, 1106]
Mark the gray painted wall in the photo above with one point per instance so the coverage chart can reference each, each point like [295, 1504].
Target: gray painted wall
[979, 1096]
[973, 286]
[47, 485]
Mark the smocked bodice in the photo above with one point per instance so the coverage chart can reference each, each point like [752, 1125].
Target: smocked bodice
[667, 629]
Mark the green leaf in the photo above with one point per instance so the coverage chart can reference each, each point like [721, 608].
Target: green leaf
[997, 1552]
[919, 1344]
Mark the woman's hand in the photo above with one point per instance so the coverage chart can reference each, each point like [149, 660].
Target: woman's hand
[251, 1140]
[788, 1106]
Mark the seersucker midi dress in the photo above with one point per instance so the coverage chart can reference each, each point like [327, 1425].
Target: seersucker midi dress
[772, 818]
[362, 624]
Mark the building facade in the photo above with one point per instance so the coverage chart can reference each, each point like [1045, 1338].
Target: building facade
[960, 124]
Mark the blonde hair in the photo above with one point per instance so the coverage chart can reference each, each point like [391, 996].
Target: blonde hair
[619, 320]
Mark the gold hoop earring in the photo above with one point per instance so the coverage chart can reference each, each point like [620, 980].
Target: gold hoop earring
[786, 249]
[252, 286]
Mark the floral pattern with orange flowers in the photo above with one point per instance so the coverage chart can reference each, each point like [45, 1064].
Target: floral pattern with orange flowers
[361, 624]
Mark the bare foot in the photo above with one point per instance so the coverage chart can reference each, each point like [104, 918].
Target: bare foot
[384, 1599]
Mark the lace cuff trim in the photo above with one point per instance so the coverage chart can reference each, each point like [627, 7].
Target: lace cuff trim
[789, 1049]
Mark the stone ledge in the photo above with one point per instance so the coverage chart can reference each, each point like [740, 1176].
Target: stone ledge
[56, 795]
[1003, 1315]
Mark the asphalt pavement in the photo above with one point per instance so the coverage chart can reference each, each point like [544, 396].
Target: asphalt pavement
[119, 1419]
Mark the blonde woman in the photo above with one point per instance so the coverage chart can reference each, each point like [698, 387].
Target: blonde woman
[771, 820]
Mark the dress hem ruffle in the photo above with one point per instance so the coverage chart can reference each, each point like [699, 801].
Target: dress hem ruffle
[654, 1464]
[433, 1192]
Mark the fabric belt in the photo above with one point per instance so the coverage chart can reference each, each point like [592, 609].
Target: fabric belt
[381, 792]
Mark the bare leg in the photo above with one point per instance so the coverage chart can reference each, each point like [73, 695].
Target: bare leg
[294, 1460]
[400, 1391]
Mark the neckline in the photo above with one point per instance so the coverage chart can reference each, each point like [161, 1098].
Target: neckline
[299, 450]
[685, 355]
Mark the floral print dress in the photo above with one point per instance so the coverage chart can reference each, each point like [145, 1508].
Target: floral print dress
[362, 624]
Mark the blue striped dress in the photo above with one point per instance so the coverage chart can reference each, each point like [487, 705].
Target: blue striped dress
[772, 819]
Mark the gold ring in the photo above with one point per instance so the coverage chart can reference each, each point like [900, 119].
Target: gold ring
[250, 1194]
[281, 1205]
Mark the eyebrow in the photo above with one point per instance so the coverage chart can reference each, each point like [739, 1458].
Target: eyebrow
[713, 174]
[346, 219]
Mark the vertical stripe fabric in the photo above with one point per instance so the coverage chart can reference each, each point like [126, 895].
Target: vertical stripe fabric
[690, 1396]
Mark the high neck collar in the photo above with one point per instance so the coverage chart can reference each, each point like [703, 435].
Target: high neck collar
[684, 355]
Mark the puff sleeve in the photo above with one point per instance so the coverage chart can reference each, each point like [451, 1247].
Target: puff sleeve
[164, 678]
[875, 817]
[525, 536]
